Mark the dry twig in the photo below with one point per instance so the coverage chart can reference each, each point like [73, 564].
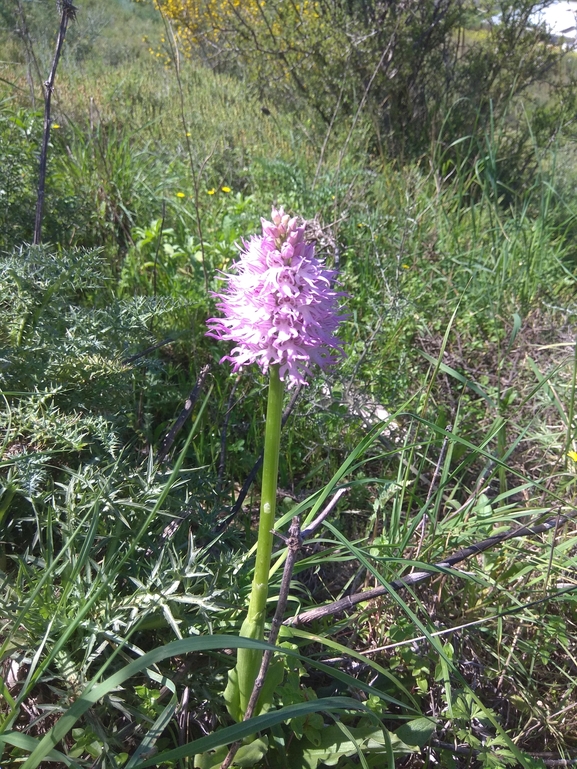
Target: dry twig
[184, 414]
[67, 13]
[337, 607]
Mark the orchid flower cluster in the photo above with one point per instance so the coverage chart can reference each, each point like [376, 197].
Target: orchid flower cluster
[281, 309]
[280, 306]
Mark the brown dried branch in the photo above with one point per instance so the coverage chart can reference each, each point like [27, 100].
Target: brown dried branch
[344, 604]
[67, 13]
[184, 414]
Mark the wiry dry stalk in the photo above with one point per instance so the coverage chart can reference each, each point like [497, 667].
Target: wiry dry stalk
[67, 13]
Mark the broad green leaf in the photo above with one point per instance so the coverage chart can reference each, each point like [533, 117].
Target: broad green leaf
[416, 732]
[247, 755]
[335, 744]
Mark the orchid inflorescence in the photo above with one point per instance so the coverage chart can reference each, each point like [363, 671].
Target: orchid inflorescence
[280, 305]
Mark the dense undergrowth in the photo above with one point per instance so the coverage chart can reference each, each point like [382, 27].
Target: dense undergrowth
[124, 559]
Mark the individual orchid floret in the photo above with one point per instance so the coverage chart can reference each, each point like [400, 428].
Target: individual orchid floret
[280, 306]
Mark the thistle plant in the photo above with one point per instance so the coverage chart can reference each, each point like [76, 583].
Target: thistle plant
[281, 309]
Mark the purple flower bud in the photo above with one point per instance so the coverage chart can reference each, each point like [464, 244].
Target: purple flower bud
[280, 306]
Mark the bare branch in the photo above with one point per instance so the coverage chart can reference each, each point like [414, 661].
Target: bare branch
[344, 604]
[67, 12]
[184, 414]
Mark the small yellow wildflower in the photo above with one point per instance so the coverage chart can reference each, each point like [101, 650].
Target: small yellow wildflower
[226, 189]
[55, 125]
[572, 455]
[188, 133]
[405, 266]
[180, 195]
[211, 192]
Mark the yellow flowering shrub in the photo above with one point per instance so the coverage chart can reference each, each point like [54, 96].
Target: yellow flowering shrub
[202, 22]
[401, 66]
[284, 48]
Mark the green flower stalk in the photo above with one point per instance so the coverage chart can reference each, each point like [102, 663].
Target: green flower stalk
[248, 660]
[282, 311]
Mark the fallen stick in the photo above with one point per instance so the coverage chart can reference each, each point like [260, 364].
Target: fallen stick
[344, 604]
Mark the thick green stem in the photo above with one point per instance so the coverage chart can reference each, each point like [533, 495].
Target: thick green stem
[259, 593]
[248, 660]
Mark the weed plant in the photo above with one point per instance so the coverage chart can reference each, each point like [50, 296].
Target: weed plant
[123, 577]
